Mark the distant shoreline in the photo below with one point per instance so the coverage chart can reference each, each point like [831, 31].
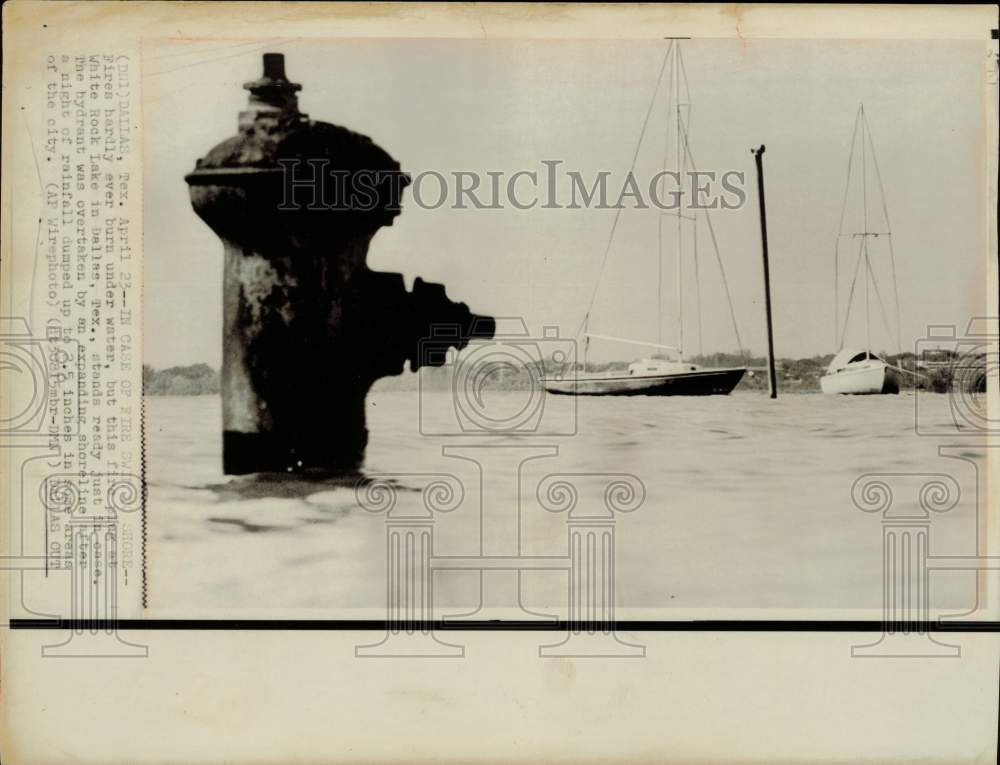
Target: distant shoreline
[794, 375]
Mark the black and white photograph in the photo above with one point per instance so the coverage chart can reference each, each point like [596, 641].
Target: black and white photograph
[504, 286]
[468, 382]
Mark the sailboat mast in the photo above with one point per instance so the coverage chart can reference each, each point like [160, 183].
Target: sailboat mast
[659, 280]
[618, 211]
[838, 334]
[864, 240]
[659, 218]
[680, 203]
[868, 318]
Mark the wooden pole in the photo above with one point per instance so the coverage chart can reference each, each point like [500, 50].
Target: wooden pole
[772, 377]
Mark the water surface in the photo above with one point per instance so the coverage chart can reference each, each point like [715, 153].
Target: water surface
[747, 504]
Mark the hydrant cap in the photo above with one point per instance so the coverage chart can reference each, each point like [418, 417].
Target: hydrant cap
[275, 139]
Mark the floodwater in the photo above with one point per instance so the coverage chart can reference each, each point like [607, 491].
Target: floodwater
[747, 504]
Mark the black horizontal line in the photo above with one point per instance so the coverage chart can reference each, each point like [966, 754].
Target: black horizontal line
[498, 625]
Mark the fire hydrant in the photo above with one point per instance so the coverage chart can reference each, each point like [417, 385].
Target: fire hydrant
[307, 326]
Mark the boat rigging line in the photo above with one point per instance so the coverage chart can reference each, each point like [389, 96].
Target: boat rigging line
[618, 211]
[718, 259]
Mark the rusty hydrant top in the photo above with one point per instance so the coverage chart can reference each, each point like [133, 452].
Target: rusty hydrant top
[302, 178]
[307, 326]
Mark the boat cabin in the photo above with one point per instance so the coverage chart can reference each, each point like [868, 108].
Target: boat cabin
[850, 356]
[655, 367]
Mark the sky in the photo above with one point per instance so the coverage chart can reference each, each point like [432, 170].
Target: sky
[504, 106]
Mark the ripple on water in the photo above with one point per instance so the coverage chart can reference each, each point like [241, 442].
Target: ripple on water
[242, 525]
[718, 471]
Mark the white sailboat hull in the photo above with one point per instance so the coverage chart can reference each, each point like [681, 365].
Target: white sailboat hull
[861, 378]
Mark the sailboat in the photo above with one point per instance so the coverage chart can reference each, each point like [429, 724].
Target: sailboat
[859, 372]
[856, 370]
[651, 377]
[667, 373]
